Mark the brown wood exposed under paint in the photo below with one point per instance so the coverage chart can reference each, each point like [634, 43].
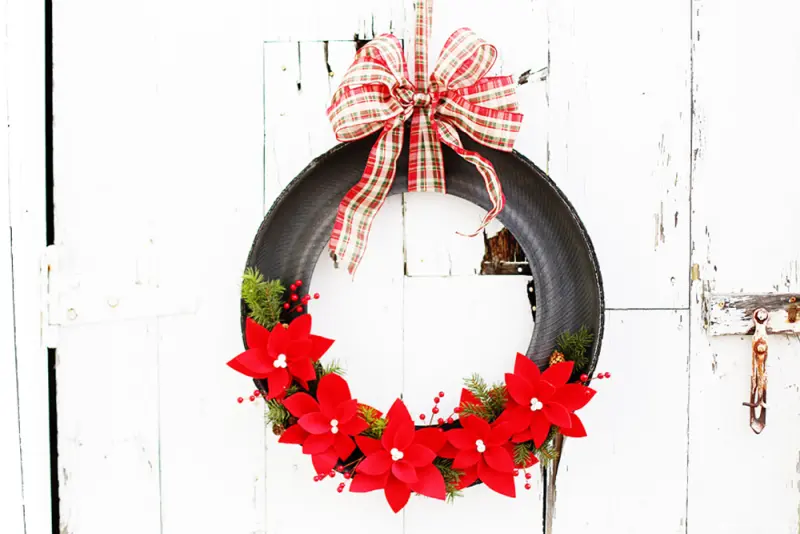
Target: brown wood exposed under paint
[503, 255]
[732, 314]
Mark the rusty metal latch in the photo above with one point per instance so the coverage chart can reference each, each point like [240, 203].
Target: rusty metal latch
[758, 379]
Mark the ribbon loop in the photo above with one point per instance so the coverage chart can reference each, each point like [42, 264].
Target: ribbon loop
[376, 95]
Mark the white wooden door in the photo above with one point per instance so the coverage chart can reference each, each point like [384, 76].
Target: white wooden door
[177, 124]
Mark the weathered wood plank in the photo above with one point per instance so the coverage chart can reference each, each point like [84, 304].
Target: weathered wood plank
[619, 117]
[744, 134]
[731, 314]
[629, 473]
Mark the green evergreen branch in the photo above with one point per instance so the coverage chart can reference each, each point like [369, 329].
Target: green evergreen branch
[575, 345]
[277, 414]
[493, 399]
[333, 367]
[263, 298]
[522, 453]
[377, 424]
[451, 477]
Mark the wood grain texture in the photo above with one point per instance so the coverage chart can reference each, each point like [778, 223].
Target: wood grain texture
[619, 144]
[629, 474]
[745, 128]
[731, 314]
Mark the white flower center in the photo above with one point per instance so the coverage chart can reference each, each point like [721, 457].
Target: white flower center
[334, 426]
[397, 455]
[480, 446]
[536, 405]
[280, 361]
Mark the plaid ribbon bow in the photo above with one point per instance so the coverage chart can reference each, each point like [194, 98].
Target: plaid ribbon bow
[376, 95]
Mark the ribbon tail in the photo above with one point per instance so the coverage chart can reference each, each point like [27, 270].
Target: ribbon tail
[449, 136]
[425, 161]
[361, 204]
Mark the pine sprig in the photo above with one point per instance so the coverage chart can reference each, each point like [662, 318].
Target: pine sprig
[333, 367]
[522, 453]
[493, 399]
[575, 345]
[377, 424]
[277, 414]
[451, 477]
[263, 297]
[546, 454]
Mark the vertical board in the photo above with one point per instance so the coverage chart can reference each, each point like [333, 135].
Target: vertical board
[24, 225]
[619, 140]
[745, 239]
[629, 474]
[11, 510]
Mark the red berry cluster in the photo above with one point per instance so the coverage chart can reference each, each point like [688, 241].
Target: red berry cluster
[600, 376]
[255, 394]
[435, 411]
[296, 302]
[339, 470]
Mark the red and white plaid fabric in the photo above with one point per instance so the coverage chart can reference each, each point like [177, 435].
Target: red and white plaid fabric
[377, 95]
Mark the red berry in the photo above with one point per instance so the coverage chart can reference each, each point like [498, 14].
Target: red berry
[298, 283]
[339, 468]
[441, 393]
[306, 298]
[436, 400]
[584, 377]
[256, 393]
[527, 486]
[316, 295]
[608, 375]
[347, 476]
[440, 421]
[294, 298]
[449, 420]
[332, 473]
[292, 287]
[316, 478]
[528, 476]
[457, 409]
[299, 309]
[516, 472]
[422, 417]
[340, 489]
[599, 376]
[240, 400]
[435, 409]
[286, 306]
[252, 398]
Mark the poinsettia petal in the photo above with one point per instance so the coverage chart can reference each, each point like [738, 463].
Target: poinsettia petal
[301, 404]
[404, 436]
[577, 429]
[558, 374]
[302, 383]
[363, 483]
[346, 411]
[298, 349]
[461, 439]
[430, 483]
[300, 327]
[319, 346]
[398, 417]
[523, 436]
[302, 368]
[404, 471]
[253, 363]
[315, 423]
[278, 339]
[524, 367]
[368, 445]
[256, 335]
[343, 445]
[557, 414]
[479, 428]
[519, 389]
[277, 383]
[324, 462]
[468, 478]
[294, 435]
[498, 459]
[419, 455]
[466, 458]
[377, 463]
[573, 396]
[354, 426]
[467, 397]
[519, 417]
[318, 443]
[432, 438]
[448, 451]
[540, 428]
[397, 493]
[502, 483]
[332, 391]
[500, 434]
[544, 390]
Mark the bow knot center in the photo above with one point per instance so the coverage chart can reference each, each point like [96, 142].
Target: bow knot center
[421, 100]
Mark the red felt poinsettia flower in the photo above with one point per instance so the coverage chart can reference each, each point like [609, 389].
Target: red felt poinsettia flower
[281, 355]
[401, 461]
[483, 453]
[324, 428]
[539, 400]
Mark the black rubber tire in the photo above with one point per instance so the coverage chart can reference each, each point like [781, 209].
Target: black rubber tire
[566, 275]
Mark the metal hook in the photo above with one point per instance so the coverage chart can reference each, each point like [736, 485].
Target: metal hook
[758, 379]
